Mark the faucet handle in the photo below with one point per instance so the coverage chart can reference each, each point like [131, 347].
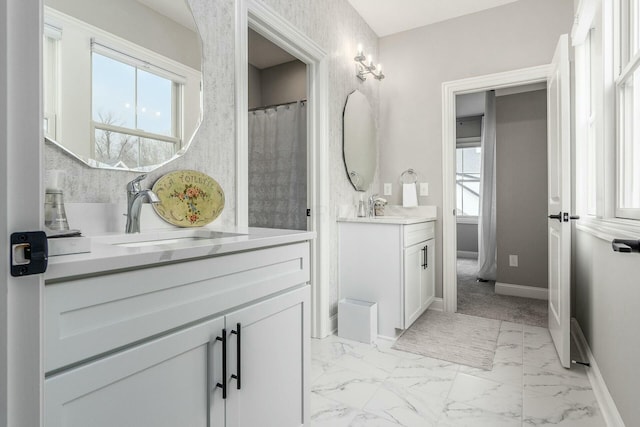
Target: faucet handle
[134, 185]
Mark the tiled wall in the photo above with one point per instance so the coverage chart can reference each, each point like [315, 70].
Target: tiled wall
[333, 24]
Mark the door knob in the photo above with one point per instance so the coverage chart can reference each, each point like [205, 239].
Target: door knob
[558, 216]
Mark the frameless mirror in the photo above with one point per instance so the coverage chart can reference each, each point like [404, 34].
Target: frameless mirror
[122, 81]
[360, 141]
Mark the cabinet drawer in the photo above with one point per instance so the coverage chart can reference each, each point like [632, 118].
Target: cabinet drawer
[416, 233]
[91, 316]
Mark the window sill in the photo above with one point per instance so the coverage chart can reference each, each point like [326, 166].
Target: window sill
[609, 229]
[467, 219]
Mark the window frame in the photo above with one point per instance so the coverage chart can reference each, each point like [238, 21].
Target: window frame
[460, 218]
[134, 60]
[50, 73]
[607, 223]
[627, 62]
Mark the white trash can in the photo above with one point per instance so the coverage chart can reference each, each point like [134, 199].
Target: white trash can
[358, 320]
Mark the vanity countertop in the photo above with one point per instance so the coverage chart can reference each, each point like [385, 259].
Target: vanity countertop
[117, 251]
[402, 220]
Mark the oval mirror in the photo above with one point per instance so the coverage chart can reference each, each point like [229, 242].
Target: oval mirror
[122, 81]
[360, 141]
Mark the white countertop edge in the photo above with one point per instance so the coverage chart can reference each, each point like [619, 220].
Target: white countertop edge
[391, 220]
[106, 257]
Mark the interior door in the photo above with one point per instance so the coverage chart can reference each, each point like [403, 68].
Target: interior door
[21, 136]
[559, 199]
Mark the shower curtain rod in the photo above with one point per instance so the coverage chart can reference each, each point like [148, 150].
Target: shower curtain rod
[266, 107]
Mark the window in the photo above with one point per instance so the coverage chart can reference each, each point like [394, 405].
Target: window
[588, 113]
[627, 88]
[468, 160]
[50, 62]
[135, 110]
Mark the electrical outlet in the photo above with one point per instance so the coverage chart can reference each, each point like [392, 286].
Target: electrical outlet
[387, 189]
[424, 188]
[513, 260]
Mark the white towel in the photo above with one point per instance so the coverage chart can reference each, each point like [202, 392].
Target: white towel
[409, 195]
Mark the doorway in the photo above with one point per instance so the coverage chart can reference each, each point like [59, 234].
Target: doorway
[501, 204]
[505, 80]
[263, 20]
[277, 134]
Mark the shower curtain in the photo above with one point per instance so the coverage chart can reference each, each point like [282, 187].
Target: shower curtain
[487, 245]
[278, 167]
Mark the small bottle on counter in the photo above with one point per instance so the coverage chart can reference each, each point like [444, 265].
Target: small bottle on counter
[362, 210]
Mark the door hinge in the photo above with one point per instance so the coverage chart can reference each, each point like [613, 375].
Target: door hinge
[308, 212]
[29, 253]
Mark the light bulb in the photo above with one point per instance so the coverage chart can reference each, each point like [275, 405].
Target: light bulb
[370, 60]
[379, 67]
[359, 49]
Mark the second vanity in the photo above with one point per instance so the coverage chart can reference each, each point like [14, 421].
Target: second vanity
[389, 260]
[187, 327]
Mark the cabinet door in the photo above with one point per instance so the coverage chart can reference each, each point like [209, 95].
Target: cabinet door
[411, 288]
[273, 385]
[427, 275]
[170, 381]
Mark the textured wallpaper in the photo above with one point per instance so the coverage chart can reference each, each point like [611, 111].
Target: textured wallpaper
[333, 24]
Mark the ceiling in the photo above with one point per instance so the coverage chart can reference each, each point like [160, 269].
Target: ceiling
[178, 11]
[387, 17]
[264, 54]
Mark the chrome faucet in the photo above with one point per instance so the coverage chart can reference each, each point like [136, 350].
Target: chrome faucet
[372, 201]
[135, 197]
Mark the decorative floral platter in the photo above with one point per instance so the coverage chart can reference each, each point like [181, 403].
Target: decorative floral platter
[188, 198]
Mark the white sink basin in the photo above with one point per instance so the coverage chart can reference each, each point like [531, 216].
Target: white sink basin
[165, 238]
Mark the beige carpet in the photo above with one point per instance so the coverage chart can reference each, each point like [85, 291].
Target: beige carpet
[457, 338]
[479, 299]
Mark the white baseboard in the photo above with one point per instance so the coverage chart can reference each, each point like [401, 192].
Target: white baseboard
[333, 324]
[467, 254]
[437, 305]
[605, 401]
[521, 291]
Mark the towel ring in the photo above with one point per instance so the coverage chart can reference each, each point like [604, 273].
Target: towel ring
[409, 173]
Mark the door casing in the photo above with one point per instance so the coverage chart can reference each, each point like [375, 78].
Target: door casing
[266, 22]
[450, 90]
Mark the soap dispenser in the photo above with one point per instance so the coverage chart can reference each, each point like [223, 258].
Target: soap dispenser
[362, 210]
[55, 216]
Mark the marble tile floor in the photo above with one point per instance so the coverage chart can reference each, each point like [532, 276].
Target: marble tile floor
[355, 384]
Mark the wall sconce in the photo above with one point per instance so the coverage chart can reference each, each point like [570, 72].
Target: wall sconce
[366, 66]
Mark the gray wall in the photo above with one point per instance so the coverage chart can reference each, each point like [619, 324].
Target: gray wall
[334, 25]
[521, 187]
[467, 237]
[417, 62]
[255, 87]
[278, 84]
[607, 308]
[284, 83]
[141, 25]
[606, 303]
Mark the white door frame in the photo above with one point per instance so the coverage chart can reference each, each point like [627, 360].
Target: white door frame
[450, 89]
[265, 21]
[21, 140]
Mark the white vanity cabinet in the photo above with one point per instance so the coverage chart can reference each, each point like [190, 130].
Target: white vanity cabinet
[419, 280]
[222, 341]
[392, 264]
[169, 381]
